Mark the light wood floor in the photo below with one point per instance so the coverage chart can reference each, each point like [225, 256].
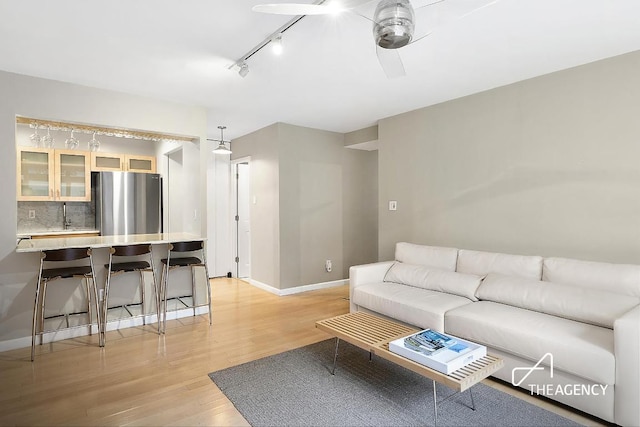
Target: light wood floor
[141, 378]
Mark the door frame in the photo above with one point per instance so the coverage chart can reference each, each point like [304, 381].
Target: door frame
[167, 187]
[234, 211]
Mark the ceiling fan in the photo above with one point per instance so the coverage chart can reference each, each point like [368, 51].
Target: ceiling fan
[393, 23]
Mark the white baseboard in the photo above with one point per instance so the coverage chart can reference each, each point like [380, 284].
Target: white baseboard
[297, 289]
[81, 331]
[47, 337]
[130, 322]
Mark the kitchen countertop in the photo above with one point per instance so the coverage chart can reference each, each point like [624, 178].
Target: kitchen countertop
[36, 245]
[28, 235]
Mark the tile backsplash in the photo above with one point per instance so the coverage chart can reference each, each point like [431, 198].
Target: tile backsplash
[49, 216]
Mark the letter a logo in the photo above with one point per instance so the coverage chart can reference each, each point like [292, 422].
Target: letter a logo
[535, 367]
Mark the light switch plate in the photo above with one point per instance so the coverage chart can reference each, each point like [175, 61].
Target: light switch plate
[393, 205]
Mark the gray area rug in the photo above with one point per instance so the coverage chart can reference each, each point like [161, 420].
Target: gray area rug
[296, 388]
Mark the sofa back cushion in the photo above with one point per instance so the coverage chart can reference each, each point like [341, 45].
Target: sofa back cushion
[591, 306]
[430, 256]
[483, 263]
[464, 285]
[618, 278]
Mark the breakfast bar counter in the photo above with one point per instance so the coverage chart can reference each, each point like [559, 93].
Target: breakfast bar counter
[37, 245]
[88, 301]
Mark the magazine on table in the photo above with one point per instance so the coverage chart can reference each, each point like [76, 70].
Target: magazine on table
[438, 351]
[431, 342]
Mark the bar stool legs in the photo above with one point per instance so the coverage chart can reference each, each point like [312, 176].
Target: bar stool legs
[45, 275]
[130, 266]
[171, 263]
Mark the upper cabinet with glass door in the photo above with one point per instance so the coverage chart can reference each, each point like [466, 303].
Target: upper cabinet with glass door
[72, 176]
[101, 162]
[35, 174]
[122, 162]
[61, 175]
[136, 163]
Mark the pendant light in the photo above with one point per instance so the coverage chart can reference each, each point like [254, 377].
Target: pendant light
[221, 148]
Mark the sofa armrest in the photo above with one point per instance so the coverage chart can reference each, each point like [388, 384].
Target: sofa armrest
[366, 273]
[626, 333]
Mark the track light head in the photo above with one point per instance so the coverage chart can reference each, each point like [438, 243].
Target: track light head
[244, 69]
[276, 44]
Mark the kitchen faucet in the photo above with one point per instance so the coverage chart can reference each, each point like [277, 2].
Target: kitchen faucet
[66, 222]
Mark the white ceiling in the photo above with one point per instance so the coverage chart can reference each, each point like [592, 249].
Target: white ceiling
[328, 76]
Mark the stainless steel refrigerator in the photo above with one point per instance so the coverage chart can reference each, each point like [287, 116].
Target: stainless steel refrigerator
[127, 202]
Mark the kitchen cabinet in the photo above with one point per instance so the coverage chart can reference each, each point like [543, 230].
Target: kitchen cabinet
[35, 174]
[72, 175]
[53, 175]
[101, 162]
[122, 162]
[135, 163]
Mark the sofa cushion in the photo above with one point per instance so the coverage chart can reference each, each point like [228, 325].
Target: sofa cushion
[416, 306]
[430, 256]
[578, 348]
[483, 263]
[571, 302]
[464, 285]
[619, 278]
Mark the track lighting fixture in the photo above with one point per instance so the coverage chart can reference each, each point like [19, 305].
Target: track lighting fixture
[274, 39]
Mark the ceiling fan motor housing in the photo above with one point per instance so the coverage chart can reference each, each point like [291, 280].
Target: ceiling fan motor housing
[394, 23]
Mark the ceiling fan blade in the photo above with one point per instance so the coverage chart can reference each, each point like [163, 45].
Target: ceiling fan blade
[419, 38]
[460, 15]
[309, 9]
[491, 3]
[429, 4]
[390, 62]
[293, 9]
[350, 4]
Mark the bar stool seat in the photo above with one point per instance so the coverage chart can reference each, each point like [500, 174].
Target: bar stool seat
[182, 262]
[129, 266]
[46, 275]
[65, 273]
[170, 263]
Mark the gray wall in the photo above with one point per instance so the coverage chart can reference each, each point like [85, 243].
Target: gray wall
[321, 204]
[262, 146]
[547, 166]
[47, 99]
[359, 214]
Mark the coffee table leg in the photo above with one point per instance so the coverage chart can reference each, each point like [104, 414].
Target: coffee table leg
[435, 402]
[335, 356]
[435, 405]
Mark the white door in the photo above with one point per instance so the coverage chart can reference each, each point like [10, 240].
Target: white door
[243, 230]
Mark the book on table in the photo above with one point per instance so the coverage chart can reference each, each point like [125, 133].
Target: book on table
[442, 352]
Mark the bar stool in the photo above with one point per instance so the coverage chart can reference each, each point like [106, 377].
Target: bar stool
[171, 263]
[128, 266]
[46, 275]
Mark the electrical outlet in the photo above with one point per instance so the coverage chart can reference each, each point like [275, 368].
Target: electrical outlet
[327, 265]
[32, 214]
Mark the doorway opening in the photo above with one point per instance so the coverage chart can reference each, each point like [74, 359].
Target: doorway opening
[241, 219]
[175, 191]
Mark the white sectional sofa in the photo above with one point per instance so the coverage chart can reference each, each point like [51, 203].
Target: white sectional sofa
[585, 316]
